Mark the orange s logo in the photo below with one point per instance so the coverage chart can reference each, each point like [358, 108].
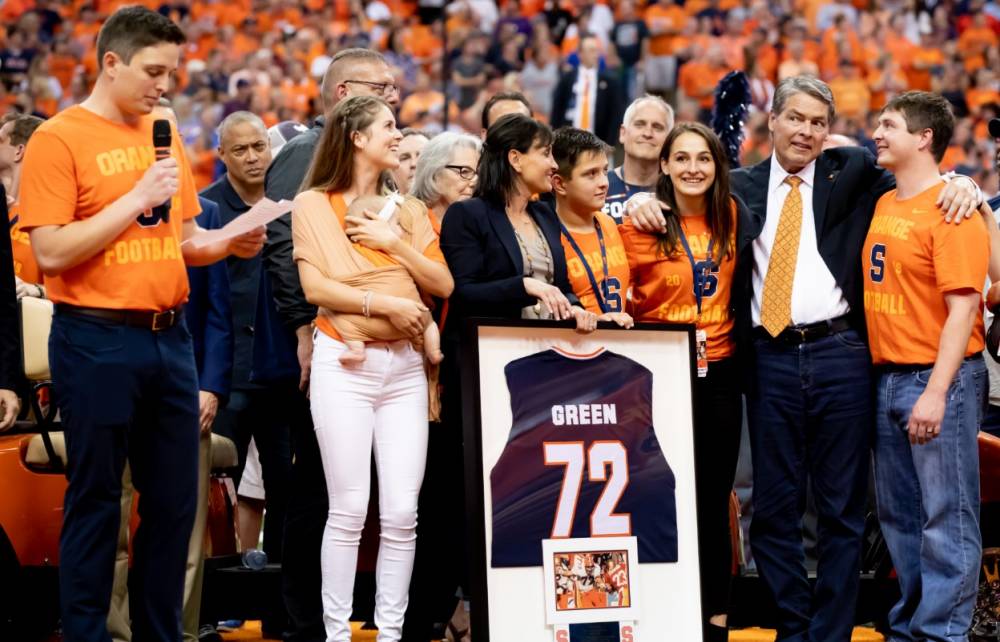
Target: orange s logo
[626, 634]
[562, 635]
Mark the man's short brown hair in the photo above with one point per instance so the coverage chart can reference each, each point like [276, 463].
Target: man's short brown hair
[22, 129]
[924, 110]
[133, 28]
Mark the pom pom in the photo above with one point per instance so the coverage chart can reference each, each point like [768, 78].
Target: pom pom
[732, 103]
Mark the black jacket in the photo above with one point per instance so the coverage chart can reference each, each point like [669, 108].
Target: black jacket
[607, 112]
[244, 281]
[283, 180]
[10, 333]
[484, 258]
[848, 184]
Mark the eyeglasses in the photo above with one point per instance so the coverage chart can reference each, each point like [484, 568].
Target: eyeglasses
[466, 172]
[381, 88]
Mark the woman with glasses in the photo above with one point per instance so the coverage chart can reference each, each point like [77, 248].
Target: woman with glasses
[359, 267]
[446, 173]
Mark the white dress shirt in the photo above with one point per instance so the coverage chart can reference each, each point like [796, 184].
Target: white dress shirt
[583, 76]
[815, 293]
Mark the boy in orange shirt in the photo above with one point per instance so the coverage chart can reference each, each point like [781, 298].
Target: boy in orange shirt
[922, 285]
[596, 264]
[107, 221]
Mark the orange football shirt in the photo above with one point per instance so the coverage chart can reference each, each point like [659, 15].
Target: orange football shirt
[76, 164]
[618, 268]
[910, 260]
[25, 267]
[663, 286]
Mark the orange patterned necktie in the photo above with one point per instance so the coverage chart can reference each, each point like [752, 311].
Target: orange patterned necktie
[776, 308]
[585, 105]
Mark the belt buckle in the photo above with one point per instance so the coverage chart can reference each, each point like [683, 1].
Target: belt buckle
[802, 332]
[167, 318]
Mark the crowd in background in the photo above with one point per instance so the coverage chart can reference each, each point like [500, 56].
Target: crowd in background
[267, 56]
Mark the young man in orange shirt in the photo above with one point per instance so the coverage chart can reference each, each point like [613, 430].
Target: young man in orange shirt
[923, 280]
[95, 202]
[595, 255]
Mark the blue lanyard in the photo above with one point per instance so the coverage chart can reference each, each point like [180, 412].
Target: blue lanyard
[699, 275]
[598, 293]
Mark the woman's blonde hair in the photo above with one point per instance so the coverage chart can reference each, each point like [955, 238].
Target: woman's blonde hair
[332, 166]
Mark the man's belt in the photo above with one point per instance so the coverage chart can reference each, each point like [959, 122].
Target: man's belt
[155, 321]
[799, 334]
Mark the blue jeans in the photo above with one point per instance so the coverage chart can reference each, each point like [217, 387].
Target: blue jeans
[928, 504]
[125, 392]
[810, 415]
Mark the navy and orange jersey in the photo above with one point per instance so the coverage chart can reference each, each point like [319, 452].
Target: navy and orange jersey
[613, 286]
[618, 194]
[581, 460]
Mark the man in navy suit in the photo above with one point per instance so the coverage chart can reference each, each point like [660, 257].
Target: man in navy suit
[209, 318]
[800, 331]
[589, 98]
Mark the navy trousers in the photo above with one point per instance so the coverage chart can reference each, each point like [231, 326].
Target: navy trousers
[132, 393]
[811, 415]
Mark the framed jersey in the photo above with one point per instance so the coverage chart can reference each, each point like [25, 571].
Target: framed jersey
[574, 440]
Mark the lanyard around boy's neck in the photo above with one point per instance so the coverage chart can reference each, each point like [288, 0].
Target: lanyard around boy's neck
[699, 275]
[598, 292]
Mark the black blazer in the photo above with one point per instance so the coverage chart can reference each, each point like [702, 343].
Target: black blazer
[848, 184]
[607, 111]
[10, 332]
[478, 243]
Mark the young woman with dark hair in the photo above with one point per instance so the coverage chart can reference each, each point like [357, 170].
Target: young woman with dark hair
[359, 266]
[684, 275]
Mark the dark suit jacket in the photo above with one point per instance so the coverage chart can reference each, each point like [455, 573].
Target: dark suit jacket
[848, 183]
[607, 112]
[244, 281]
[10, 332]
[209, 316]
[485, 260]
[284, 177]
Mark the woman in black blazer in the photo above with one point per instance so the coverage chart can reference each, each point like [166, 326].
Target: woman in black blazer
[502, 245]
[503, 250]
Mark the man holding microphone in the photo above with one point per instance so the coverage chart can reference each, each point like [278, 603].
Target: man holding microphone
[107, 222]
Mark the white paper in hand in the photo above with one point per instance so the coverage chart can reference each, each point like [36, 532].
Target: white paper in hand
[262, 213]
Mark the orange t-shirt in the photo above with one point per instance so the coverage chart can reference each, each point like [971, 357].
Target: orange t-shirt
[852, 96]
[25, 267]
[698, 81]
[663, 287]
[615, 283]
[672, 17]
[910, 260]
[920, 79]
[76, 164]
[378, 258]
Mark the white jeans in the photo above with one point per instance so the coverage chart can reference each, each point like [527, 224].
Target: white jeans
[381, 402]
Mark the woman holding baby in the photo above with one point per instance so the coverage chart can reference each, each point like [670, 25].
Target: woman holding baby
[367, 272]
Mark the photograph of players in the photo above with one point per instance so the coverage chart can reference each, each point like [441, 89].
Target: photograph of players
[591, 580]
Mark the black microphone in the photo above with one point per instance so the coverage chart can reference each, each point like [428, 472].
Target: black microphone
[161, 146]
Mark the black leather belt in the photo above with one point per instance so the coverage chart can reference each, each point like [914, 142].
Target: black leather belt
[155, 321]
[799, 334]
[910, 368]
